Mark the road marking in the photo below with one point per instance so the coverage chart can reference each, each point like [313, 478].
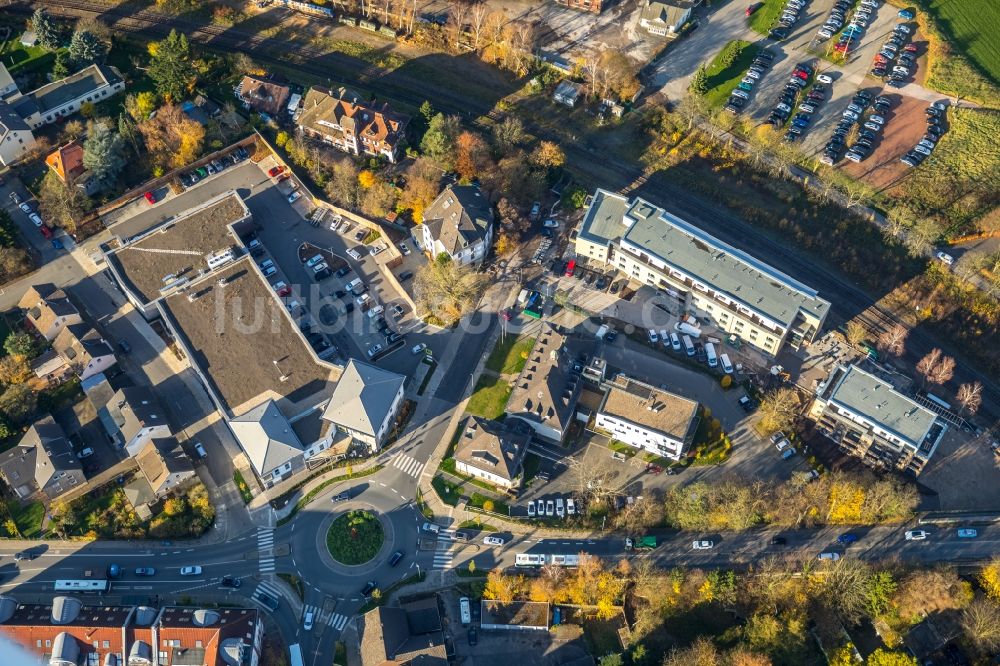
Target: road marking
[408, 465]
[335, 620]
[265, 542]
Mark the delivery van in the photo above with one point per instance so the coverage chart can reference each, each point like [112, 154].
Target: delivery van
[713, 360]
[688, 345]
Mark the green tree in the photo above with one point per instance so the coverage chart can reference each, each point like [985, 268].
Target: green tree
[575, 198]
[170, 66]
[880, 590]
[46, 30]
[699, 81]
[472, 567]
[883, 657]
[439, 139]
[102, 153]
[19, 344]
[448, 289]
[427, 110]
[85, 48]
[18, 403]
[63, 65]
[613, 659]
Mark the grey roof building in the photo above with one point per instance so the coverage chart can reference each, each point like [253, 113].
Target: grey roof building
[493, 451]
[411, 634]
[42, 461]
[867, 417]
[133, 417]
[269, 441]
[365, 402]
[459, 223]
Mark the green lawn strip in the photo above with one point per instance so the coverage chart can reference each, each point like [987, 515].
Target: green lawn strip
[295, 582]
[476, 525]
[375, 602]
[445, 491]
[448, 466]
[479, 502]
[762, 20]
[355, 537]
[425, 510]
[311, 495]
[242, 486]
[620, 447]
[711, 444]
[489, 398]
[723, 78]
[509, 355]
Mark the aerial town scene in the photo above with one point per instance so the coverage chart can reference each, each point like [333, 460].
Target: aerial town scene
[499, 332]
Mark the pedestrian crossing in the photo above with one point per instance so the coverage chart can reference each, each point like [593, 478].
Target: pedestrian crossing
[267, 588]
[335, 620]
[408, 465]
[443, 554]
[265, 543]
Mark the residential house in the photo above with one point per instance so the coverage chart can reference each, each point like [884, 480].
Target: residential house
[493, 451]
[7, 85]
[16, 137]
[64, 97]
[270, 443]
[593, 6]
[514, 616]
[43, 461]
[546, 391]
[67, 163]
[341, 119]
[459, 223]
[409, 634]
[29, 39]
[68, 632]
[706, 278]
[648, 418]
[567, 93]
[868, 418]
[660, 17]
[164, 465]
[133, 417]
[262, 95]
[83, 352]
[365, 403]
[49, 310]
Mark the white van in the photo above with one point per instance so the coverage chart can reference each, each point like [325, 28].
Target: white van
[688, 345]
[663, 337]
[522, 298]
[726, 365]
[353, 284]
[675, 342]
[713, 360]
[353, 254]
[653, 338]
[463, 605]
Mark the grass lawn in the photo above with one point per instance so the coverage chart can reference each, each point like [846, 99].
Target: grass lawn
[479, 501]
[355, 537]
[972, 27]
[765, 17]
[448, 492]
[489, 397]
[28, 518]
[601, 635]
[510, 355]
[242, 486]
[476, 525]
[722, 78]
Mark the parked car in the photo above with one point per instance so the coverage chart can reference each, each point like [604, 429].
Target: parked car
[274, 171]
[967, 533]
[702, 545]
[192, 570]
[85, 453]
[916, 535]
[493, 541]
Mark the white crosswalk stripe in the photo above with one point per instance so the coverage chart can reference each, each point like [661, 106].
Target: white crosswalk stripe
[443, 556]
[265, 542]
[409, 465]
[335, 620]
[266, 588]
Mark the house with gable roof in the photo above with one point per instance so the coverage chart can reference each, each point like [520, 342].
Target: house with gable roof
[459, 223]
[365, 403]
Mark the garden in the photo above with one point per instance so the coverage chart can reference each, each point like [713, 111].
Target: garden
[355, 537]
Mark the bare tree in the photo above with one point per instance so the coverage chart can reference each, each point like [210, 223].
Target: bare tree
[778, 410]
[927, 363]
[893, 341]
[478, 14]
[456, 23]
[920, 237]
[970, 396]
[981, 623]
[855, 333]
[943, 371]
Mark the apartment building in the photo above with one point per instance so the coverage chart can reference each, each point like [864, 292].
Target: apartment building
[545, 393]
[713, 281]
[341, 119]
[648, 418]
[459, 223]
[868, 418]
[365, 403]
[69, 632]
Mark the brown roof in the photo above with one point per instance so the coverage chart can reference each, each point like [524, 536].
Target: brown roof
[649, 407]
[160, 458]
[461, 216]
[67, 161]
[45, 303]
[322, 108]
[545, 391]
[79, 344]
[180, 247]
[263, 95]
[492, 447]
[241, 338]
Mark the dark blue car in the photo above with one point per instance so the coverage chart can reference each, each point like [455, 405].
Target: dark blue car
[847, 538]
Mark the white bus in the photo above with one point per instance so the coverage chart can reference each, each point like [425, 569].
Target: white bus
[98, 586]
[295, 655]
[539, 560]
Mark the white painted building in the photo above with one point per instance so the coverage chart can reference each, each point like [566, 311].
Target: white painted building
[647, 417]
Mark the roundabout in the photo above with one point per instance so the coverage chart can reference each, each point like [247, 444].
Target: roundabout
[355, 537]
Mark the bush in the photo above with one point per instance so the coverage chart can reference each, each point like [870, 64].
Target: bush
[726, 381]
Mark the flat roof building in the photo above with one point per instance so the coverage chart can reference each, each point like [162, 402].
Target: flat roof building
[716, 282]
[648, 418]
[868, 418]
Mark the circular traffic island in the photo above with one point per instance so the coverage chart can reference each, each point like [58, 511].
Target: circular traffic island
[355, 538]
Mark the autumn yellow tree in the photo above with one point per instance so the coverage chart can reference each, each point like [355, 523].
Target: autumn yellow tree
[989, 578]
[548, 155]
[421, 187]
[171, 137]
[502, 588]
[366, 179]
[846, 502]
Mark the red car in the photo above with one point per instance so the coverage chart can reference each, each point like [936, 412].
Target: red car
[911, 48]
[150, 197]
[654, 469]
[45, 231]
[754, 7]
[274, 171]
[801, 74]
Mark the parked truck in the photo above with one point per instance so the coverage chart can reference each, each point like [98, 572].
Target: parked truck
[640, 543]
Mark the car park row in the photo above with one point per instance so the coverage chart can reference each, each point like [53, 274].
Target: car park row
[935, 114]
[740, 96]
[788, 100]
[789, 16]
[898, 54]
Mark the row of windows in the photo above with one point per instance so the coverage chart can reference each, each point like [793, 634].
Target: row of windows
[68, 110]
